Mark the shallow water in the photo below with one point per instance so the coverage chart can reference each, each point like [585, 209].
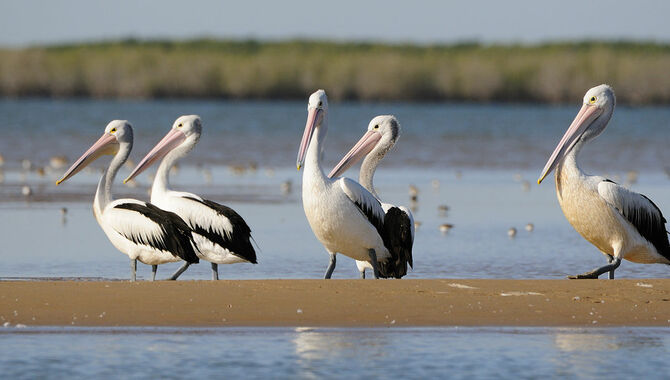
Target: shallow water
[460, 353]
[483, 205]
[480, 160]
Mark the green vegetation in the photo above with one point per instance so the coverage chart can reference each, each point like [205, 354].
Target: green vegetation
[552, 73]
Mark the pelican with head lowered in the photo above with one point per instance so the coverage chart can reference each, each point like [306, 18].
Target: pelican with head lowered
[220, 233]
[398, 231]
[344, 216]
[622, 224]
[141, 230]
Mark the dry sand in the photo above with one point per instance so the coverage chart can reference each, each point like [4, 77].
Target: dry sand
[436, 302]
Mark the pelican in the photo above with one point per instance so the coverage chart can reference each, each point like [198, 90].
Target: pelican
[221, 235]
[344, 216]
[622, 224]
[139, 229]
[398, 235]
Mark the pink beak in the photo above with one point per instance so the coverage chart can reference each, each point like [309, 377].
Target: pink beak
[314, 116]
[582, 121]
[362, 147]
[106, 144]
[172, 140]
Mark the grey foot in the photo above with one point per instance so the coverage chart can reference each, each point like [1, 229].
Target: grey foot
[154, 268]
[215, 271]
[613, 265]
[133, 270]
[331, 266]
[179, 271]
[363, 274]
[373, 262]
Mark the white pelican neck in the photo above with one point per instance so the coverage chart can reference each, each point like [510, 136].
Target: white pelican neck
[103, 194]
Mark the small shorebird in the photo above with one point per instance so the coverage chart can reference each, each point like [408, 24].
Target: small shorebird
[622, 224]
[398, 232]
[344, 216]
[220, 233]
[139, 229]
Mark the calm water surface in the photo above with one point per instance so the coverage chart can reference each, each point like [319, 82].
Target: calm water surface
[459, 353]
[480, 161]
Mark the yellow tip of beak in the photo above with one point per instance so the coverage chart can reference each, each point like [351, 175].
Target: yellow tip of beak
[125, 181]
[58, 182]
[539, 181]
[298, 166]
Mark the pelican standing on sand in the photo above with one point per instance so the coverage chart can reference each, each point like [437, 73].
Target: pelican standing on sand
[622, 224]
[398, 234]
[139, 229]
[344, 216]
[221, 235]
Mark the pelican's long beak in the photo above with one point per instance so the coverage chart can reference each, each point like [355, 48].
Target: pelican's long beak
[362, 147]
[169, 142]
[313, 119]
[582, 122]
[107, 144]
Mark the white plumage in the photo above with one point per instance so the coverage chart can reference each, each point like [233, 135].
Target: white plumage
[140, 230]
[344, 216]
[622, 224]
[221, 235]
[398, 223]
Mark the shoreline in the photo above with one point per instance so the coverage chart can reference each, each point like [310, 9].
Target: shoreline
[338, 303]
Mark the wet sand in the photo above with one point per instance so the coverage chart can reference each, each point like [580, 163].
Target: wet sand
[348, 303]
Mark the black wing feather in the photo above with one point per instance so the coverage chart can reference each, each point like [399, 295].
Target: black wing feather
[649, 224]
[398, 240]
[176, 234]
[395, 231]
[240, 242]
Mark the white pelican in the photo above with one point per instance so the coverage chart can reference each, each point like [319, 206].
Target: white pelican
[139, 229]
[221, 235]
[622, 224]
[398, 236]
[344, 216]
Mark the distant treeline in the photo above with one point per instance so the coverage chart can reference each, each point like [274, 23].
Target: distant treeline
[558, 72]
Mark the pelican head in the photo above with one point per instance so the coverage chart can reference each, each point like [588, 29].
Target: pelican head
[590, 122]
[317, 107]
[183, 136]
[382, 133]
[116, 133]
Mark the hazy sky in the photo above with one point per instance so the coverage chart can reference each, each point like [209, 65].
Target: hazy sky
[33, 21]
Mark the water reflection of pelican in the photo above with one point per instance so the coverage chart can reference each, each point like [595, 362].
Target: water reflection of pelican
[587, 353]
[313, 345]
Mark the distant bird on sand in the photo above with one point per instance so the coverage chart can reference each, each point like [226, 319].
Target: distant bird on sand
[622, 224]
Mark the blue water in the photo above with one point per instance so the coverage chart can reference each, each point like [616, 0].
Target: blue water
[415, 353]
[268, 133]
[480, 160]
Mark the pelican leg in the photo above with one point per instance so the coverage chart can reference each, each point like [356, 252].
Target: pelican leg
[331, 266]
[614, 264]
[215, 271]
[363, 274]
[610, 259]
[133, 270]
[373, 262]
[154, 268]
[180, 271]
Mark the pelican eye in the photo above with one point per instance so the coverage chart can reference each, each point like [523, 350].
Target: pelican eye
[592, 100]
[377, 126]
[320, 104]
[180, 125]
[113, 130]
